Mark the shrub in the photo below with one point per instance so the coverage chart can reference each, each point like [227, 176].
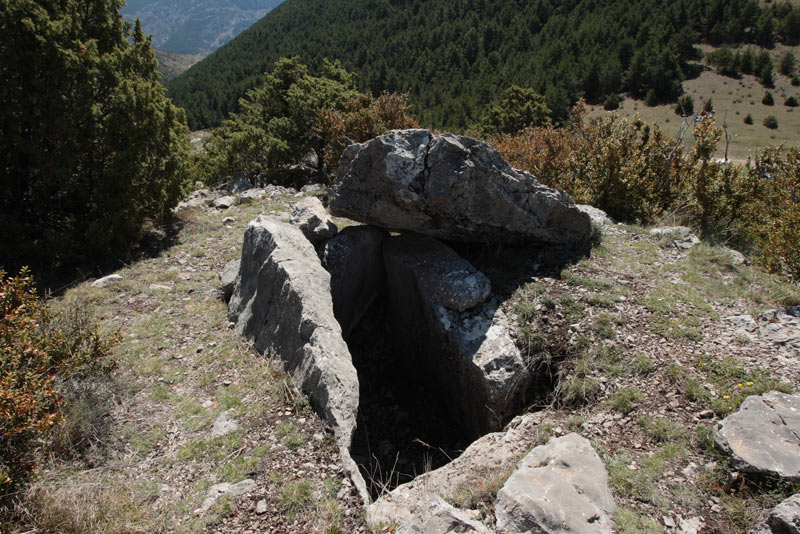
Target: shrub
[771, 216]
[612, 102]
[685, 106]
[796, 80]
[518, 108]
[791, 102]
[766, 77]
[40, 353]
[768, 99]
[635, 173]
[771, 122]
[294, 113]
[619, 165]
[651, 99]
[708, 106]
[363, 118]
[748, 119]
[787, 64]
[90, 147]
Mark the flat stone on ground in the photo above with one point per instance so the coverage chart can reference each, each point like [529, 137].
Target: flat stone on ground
[763, 437]
[558, 488]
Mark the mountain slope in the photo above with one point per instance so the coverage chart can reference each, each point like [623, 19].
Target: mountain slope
[454, 57]
[172, 64]
[195, 26]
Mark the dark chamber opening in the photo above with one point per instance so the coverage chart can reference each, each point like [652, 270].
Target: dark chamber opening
[403, 428]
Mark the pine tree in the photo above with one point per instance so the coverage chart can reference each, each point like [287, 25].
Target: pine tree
[89, 144]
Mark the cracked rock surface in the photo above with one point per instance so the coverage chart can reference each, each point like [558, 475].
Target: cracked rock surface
[561, 487]
[763, 437]
[452, 187]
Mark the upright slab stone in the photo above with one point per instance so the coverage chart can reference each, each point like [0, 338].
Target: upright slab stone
[763, 436]
[559, 488]
[310, 216]
[282, 303]
[454, 188]
[450, 333]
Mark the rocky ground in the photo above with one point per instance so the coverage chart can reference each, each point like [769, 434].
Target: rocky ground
[207, 436]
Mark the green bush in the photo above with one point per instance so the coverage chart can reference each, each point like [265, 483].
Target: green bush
[292, 114]
[771, 122]
[748, 119]
[791, 102]
[41, 352]
[612, 102]
[787, 64]
[90, 146]
[518, 108]
[795, 80]
[685, 106]
[768, 99]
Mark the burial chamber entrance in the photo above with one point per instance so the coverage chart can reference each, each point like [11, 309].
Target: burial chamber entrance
[436, 361]
[403, 428]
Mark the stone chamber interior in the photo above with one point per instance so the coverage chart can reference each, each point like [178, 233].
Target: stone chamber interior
[403, 428]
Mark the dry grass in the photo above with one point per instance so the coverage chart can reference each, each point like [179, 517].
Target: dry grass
[739, 97]
[89, 502]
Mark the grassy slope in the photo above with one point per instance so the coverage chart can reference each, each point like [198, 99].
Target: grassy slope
[650, 367]
[180, 367]
[172, 64]
[739, 97]
[649, 351]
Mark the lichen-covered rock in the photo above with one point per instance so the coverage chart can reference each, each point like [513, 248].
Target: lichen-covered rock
[482, 467]
[354, 259]
[227, 279]
[763, 436]
[107, 280]
[310, 216]
[558, 488]
[282, 303]
[422, 513]
[452, 334]
[454, 188]
[785, 518]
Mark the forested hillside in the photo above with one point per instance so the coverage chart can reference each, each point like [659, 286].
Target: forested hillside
[455, 57]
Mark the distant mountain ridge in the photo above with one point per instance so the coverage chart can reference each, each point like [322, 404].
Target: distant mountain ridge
[196, 27]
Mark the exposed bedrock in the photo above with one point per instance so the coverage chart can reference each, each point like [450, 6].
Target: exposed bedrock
[354, 260]
[282, 303]
[450, 333]
[454, 188]
[558, 488]
[763, 437]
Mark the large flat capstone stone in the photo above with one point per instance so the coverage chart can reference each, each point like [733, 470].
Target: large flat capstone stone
[559, 488]
[454, 188]
[763, 437]
[452, 335]
[282, 303]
